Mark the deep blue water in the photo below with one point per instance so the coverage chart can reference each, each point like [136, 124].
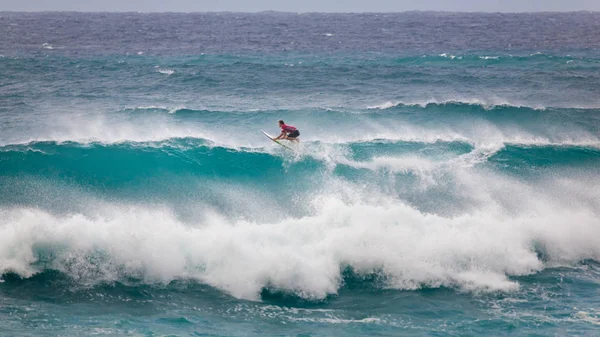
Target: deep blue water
[447, 182]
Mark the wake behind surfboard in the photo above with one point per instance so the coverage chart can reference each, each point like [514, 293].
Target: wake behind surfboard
[276, 141]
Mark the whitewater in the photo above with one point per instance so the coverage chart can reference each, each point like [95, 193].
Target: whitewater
[442, 186]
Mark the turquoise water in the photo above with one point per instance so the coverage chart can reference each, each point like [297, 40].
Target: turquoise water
[446, 182]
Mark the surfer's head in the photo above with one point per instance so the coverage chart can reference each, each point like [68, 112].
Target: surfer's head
[281, 122]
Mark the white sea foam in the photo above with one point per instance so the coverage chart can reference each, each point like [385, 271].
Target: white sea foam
[401, 164]
[319, 136]
[336, 320]
[291, 314]
[386, 105]
[450, 56]
[371, 233]
[488, 103]
[111, 129]
[149, 107]
[47, 46]
[587, 317]
[328, 147]
[166, 71]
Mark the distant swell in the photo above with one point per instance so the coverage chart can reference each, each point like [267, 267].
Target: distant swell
[465, 105]
[448, 105]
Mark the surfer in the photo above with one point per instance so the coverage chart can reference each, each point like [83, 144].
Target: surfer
[288, 132]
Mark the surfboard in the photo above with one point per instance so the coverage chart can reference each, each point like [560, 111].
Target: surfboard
[276, 141]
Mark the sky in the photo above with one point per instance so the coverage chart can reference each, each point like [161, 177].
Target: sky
[300, 6]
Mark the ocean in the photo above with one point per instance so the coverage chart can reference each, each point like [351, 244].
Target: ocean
[447, 181]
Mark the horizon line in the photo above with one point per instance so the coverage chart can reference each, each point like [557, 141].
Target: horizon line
[294, 12]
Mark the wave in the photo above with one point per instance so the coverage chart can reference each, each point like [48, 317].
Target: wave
[193, 176]
[462, 104]
[106, 163]
[330, 137]
[473, 121]
[390, 59]
[500, 59]
[305, 255]
[415, 214]
[133, 162]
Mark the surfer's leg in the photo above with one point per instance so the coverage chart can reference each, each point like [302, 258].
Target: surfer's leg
[293, 136]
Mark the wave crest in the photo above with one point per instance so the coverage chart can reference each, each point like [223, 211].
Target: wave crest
[306, 255]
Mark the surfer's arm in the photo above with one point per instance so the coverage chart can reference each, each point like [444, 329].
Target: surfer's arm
[280, 135]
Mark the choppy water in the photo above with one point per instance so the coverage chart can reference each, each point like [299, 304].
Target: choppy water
[447, 182]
